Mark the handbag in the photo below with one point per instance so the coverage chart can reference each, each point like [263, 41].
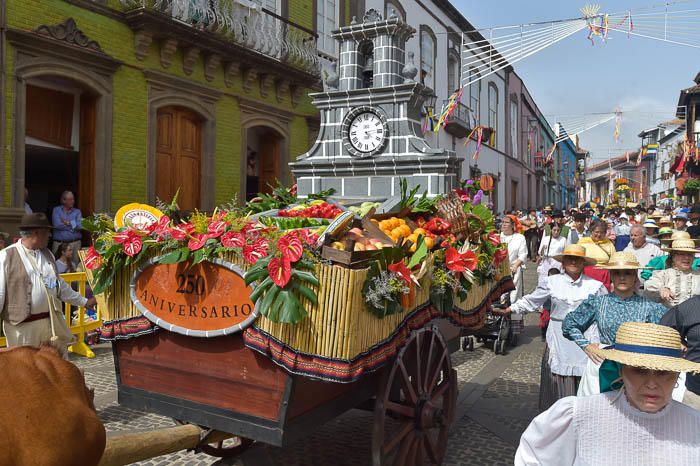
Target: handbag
[61, 335]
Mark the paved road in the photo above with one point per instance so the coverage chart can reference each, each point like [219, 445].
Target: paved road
[497, 399]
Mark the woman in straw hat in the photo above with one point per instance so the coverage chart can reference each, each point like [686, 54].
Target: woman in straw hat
[563, 363]
[678, 281]
[608, 313]
[600, 248]
[638, 423]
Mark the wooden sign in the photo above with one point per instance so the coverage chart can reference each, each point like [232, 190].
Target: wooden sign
[209, 299]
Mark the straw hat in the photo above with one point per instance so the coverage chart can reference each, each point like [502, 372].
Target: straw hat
[575, 250]
[622, 261]
[649, 346]
[650, 224]
[682, 245]
[656, 214]
[665, 221]
[678, 235]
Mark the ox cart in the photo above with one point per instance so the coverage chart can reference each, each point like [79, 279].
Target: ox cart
[263, 379]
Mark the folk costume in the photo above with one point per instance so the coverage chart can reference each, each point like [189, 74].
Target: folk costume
[563, 362]
[607, 313]
[550, 247]
[600, 251]
[605, 429]
[682, 284]
[517, 250]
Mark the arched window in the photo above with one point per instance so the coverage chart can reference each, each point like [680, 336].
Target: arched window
[427, 57]
[452, 72]
[396, 7]
[493, 112]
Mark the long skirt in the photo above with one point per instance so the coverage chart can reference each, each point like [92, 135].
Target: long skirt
[554, 387]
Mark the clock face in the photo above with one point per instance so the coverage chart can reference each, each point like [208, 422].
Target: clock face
[366, 132]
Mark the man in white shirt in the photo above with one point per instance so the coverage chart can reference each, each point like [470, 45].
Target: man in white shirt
[28, 280]
[517, 254]
[641, 248]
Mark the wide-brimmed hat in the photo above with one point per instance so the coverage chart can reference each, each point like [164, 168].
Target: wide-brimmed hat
[622, 261]
[676, 235]
[682, 245]
[650, 224]
[666, 220]
[656, 214]
[575, 250]
[649, 346]
[665, 231]
[34, 220]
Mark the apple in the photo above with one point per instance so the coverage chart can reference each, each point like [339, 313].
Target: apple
[359, 247]
[357, 231]
[338, 245]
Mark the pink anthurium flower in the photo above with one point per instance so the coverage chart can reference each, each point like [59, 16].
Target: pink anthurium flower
[459, 262]
[401, 269]
[93, 260]
[233, 239]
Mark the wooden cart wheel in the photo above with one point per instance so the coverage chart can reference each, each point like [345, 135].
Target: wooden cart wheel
[416, 403]
[224, 450]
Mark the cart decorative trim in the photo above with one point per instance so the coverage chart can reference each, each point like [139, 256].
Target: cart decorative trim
[208, 299]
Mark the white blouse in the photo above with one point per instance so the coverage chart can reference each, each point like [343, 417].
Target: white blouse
[550, 247]
[517, 247]
[684, 285]
[605, 430]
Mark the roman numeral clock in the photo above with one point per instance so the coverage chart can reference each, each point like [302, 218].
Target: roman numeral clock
[370, 135]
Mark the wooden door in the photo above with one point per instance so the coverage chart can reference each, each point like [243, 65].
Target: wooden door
[269, 155]
[86, 159]
[179, 156]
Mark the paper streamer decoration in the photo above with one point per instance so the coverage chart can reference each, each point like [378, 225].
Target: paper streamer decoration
[448, 109]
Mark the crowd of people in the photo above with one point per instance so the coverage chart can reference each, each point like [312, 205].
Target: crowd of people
[619, 292]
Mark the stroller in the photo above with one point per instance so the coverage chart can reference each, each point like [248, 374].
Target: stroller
[502, 330]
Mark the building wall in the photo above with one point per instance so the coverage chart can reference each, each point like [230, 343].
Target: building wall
[130, 132]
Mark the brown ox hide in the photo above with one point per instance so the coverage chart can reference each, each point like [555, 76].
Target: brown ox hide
[47, 415]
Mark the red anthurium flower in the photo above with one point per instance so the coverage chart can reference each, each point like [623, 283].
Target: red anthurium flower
[233, 239]
[494, 238]
[182, 231]
[197, 242]
[500, 256]
[308, 237]
[280, 270]
[216, 228]
[132, 245]
[256, 250]
[290, 246]
[459, 262]
[93, 260]
[401, 270]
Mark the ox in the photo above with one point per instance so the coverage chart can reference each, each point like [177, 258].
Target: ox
[47, 415]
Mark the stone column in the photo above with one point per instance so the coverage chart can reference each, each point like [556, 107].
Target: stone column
[349, 68]
[388, 61]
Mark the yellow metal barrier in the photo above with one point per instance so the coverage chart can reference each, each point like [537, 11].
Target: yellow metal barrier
[79, 327]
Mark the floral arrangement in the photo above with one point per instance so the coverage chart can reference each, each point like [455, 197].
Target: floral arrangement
[283, 263]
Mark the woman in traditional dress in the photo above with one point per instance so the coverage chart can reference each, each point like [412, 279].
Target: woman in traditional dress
[549, 247]
[678, 281]
[600, 248]
[638, 423]
[563, 362]
[608, 313]
[517, 253]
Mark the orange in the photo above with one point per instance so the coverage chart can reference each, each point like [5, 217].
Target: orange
[429, 242]
[405, 229]
[397, 231]
[419, 231]
[394, 238]
[384, 225]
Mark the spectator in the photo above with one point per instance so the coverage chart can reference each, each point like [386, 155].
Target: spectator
[64, 258]
[66, 224]
[641, 248]
[579, 229]
[678, 281]
[27, 208]
[680, 222]
[651, 229]
[622, 232]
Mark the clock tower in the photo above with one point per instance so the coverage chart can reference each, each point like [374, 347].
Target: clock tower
[370, 134]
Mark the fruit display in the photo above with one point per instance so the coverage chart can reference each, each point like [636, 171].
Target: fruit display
[291, 223]
[364, 208]
[400, 231]
[358, 240]
[314, 209]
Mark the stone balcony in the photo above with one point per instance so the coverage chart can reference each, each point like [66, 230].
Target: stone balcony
[252, 42]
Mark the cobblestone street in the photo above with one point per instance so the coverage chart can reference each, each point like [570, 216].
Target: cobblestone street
[497, 399]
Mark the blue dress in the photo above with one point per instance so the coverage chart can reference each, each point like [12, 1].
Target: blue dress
[609, 312]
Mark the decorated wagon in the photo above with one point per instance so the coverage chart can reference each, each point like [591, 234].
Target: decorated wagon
[223, 321]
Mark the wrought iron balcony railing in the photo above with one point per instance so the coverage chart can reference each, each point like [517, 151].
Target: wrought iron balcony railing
[251, 27]
[458, 124]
